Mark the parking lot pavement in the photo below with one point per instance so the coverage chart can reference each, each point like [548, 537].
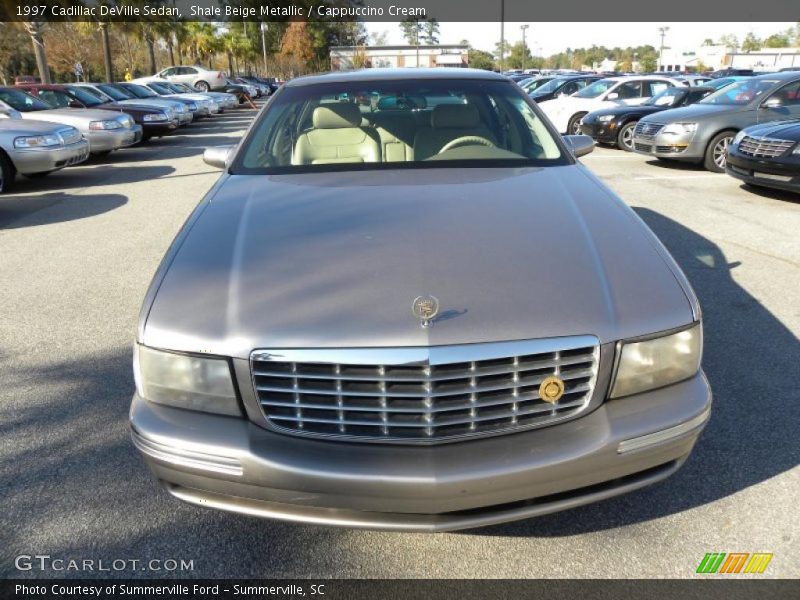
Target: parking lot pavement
[74, 266]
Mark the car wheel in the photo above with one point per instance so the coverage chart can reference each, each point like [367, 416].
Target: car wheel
[574, 125]
[202, 86]
[6, 173]
[625, 137]
[715, 152]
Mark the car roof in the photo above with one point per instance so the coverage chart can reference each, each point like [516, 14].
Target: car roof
[782, 76]
[396, 75]
[44, 86]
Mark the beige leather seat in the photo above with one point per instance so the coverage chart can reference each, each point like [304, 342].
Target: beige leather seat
[448, 122]
[337, 137]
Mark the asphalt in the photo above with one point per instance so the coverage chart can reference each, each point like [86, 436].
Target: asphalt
[78, 249]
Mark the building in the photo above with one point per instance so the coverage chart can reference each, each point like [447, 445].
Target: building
[698, 59]
[766, 59]
[442, 55]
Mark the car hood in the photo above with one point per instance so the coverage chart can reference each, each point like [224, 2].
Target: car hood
[787, 130]
[626, 110]
[151, 103]
[336, 260]
[71, 116]
[695, 111]
[22, 127]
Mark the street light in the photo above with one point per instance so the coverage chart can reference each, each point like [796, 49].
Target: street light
[663, 31]
[524, 47]
[264, 28]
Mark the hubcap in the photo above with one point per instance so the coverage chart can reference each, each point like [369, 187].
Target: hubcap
[627, 137]
[576, 126]
[719, 151]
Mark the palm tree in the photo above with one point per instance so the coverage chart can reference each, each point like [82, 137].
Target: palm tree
[35, 29]
[163, 30]
[145, 32]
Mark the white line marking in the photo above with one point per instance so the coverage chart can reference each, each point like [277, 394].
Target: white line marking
[650, 177]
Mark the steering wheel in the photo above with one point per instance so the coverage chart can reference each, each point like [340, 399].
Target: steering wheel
[467, 140]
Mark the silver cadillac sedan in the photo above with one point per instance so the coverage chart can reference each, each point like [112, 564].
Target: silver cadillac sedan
[405, 305]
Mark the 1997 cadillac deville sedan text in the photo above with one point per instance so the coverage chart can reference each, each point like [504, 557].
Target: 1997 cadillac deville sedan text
[405, 305]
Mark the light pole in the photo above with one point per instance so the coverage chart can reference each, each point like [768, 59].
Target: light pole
[524, 47]
[502, 34]
[264, 28]
[663, 31]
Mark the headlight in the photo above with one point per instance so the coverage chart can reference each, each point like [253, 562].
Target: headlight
[180, 108]
[37, 141]
[605, 118]
[191, 382]
[192, 106]
[658, 362]
[100, 125]
[155, 117]
[680, 128]
[739, 137]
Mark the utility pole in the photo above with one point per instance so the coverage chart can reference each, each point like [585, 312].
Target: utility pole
[662, 31]
[502, 33]
[524, 47]
[264, 28]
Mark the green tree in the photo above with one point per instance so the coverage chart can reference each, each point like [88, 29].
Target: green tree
[430, 32]
[478, 59]
[649, 63]
[751, 43]
[777, 40]
[412, 30]
[730, 41]
[519, 56]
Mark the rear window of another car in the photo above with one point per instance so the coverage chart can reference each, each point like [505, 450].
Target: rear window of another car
[391, 124]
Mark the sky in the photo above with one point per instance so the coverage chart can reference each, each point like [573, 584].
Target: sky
[545, 39]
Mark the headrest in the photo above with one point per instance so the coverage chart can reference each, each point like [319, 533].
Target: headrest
[337, 116]
[460, 116]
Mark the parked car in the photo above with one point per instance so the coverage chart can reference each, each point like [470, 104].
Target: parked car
[26, 79]
[701, 133]
[730, 71]
[36, 148]
[534, 83]
[224, 99]
[263, 87]
[155, 122]
[616, 125]
[255, 90]
[103, 130]
[109, 92]
[721, 82]
[566, 112]
[206, 106]
[237, 89]
[143, 93]
[693, 80]
[201, 79]
[767, 155]
[562, 86]
[251, 90]
[456, 275]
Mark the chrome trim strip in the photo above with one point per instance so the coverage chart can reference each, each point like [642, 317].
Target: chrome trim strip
[651, 439]
[183, 457]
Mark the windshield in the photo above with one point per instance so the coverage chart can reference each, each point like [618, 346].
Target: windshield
[140, 91]
[388, 124]
[86, 98]
[552, 85]
[115, 93]
[597, 88]
[159, 88]
[103, 97]
[667, 97]
[741, 92]
[21, 101]
[535, 84]
[177, 88]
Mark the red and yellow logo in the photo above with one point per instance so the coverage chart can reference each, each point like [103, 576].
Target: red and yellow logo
[734, 562]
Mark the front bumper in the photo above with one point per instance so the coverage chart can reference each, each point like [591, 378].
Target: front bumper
[42, 160]
[113, 139]
[185, 118]
[235, 465]
[681, 147]
[158, 128]
[605, 133]
[781, 173]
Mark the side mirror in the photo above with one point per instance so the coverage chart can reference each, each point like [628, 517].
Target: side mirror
[581, 145]
[612, 96]
[217, 156]
[772, 103]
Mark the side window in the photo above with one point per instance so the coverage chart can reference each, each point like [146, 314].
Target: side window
[693, 97]
[582, 83]
[188, 71]
[789, 95]
[655, 87]
[570, 88]
[168, 72]
[58, 99]
[629, 89]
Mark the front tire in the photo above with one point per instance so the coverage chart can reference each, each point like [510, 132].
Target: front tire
[714, 159]
[574, 125]
[7, 173]
[202, 86]
[625, 136]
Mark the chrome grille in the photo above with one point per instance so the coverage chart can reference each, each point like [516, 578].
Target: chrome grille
[70, 135]
[762, 147]
[423, 395]
[645, 129]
